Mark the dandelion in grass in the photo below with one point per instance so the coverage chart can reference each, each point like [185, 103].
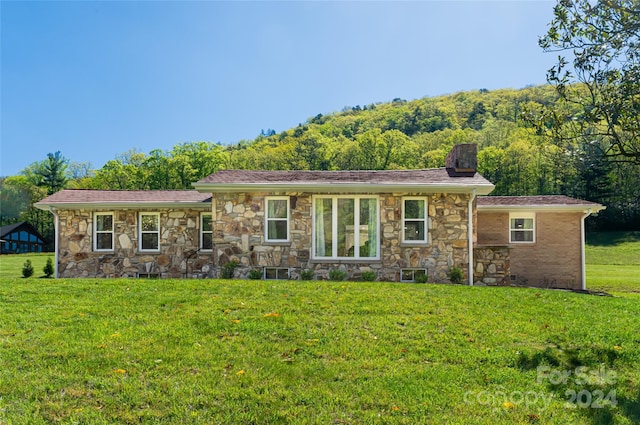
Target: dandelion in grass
[508, 405]
[235, 321]
[119, 371]
[240, 372]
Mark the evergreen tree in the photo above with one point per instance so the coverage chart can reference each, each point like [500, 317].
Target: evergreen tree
[52, 172]
[27, 269]
[48, 268]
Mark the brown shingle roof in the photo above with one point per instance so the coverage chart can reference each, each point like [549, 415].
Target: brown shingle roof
[533, 201]
[86, 196]
[429, 176]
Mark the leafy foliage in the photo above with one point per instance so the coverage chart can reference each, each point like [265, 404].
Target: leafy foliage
[369, 276]
[228, 269]
[337, 275]
[307, 274]
[603, 39]
[421, 278]
[456, 275]
[255, 274]
[513, 153]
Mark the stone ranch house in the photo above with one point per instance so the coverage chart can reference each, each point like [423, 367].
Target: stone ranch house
[401, 224]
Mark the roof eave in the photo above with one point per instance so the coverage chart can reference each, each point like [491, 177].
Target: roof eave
[481, 189]
[542, 208]
[117, 205]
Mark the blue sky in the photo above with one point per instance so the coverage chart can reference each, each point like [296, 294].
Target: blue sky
[96, 79]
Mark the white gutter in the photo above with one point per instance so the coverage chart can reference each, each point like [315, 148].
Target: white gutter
[582, 253]
[56, 227]
[118, 205]
[539, 208]
[470, 236]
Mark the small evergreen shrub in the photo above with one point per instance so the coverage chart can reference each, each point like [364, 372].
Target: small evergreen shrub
[229, 269]
[255, 274]
[369, 276]
[27, 269]
[337, 274]
[48, 268]
[456, 275]
[307, 274]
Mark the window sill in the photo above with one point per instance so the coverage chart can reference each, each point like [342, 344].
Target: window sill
[277, 243]
[414, 244]
[345, 260]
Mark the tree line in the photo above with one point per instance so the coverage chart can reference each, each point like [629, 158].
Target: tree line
[512, 153]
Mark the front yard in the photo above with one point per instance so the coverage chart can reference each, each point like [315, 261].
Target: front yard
[227, 351]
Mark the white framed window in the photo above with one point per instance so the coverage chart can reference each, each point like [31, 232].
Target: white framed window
[415, 220]
[206, 232]
[103, 230]
[346, 227]
[413, 275]
[276, 273]
[276, 227]
[522, 228]
[149, 231]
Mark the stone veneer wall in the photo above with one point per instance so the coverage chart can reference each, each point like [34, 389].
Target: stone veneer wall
[179, 243]
[492, 265]
[239, 236]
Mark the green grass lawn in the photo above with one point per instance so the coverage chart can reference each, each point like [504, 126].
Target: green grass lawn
[203, 351]
[614, 248]
[11, 265]
[98, 351]
[613, 262]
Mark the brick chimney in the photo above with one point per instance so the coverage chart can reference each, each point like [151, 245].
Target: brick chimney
[462, 161]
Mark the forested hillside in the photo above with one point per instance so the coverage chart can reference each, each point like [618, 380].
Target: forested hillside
[400, 134]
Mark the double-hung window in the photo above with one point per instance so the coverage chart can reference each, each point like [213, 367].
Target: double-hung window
[415, 220]
[522, 228]
[149, 237]
[346, 227]
[103, 231]
[277, 219]
[206, 232]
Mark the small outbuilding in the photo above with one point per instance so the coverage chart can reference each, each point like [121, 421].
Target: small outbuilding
[19, 238]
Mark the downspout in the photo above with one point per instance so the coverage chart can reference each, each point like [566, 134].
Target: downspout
[470, 236]
[56, 226]
[582, 253]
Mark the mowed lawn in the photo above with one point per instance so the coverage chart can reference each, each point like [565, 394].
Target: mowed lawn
[94, 351]
[613, 262]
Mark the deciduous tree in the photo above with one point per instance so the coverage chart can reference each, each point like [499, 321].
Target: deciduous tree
[597, 75]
